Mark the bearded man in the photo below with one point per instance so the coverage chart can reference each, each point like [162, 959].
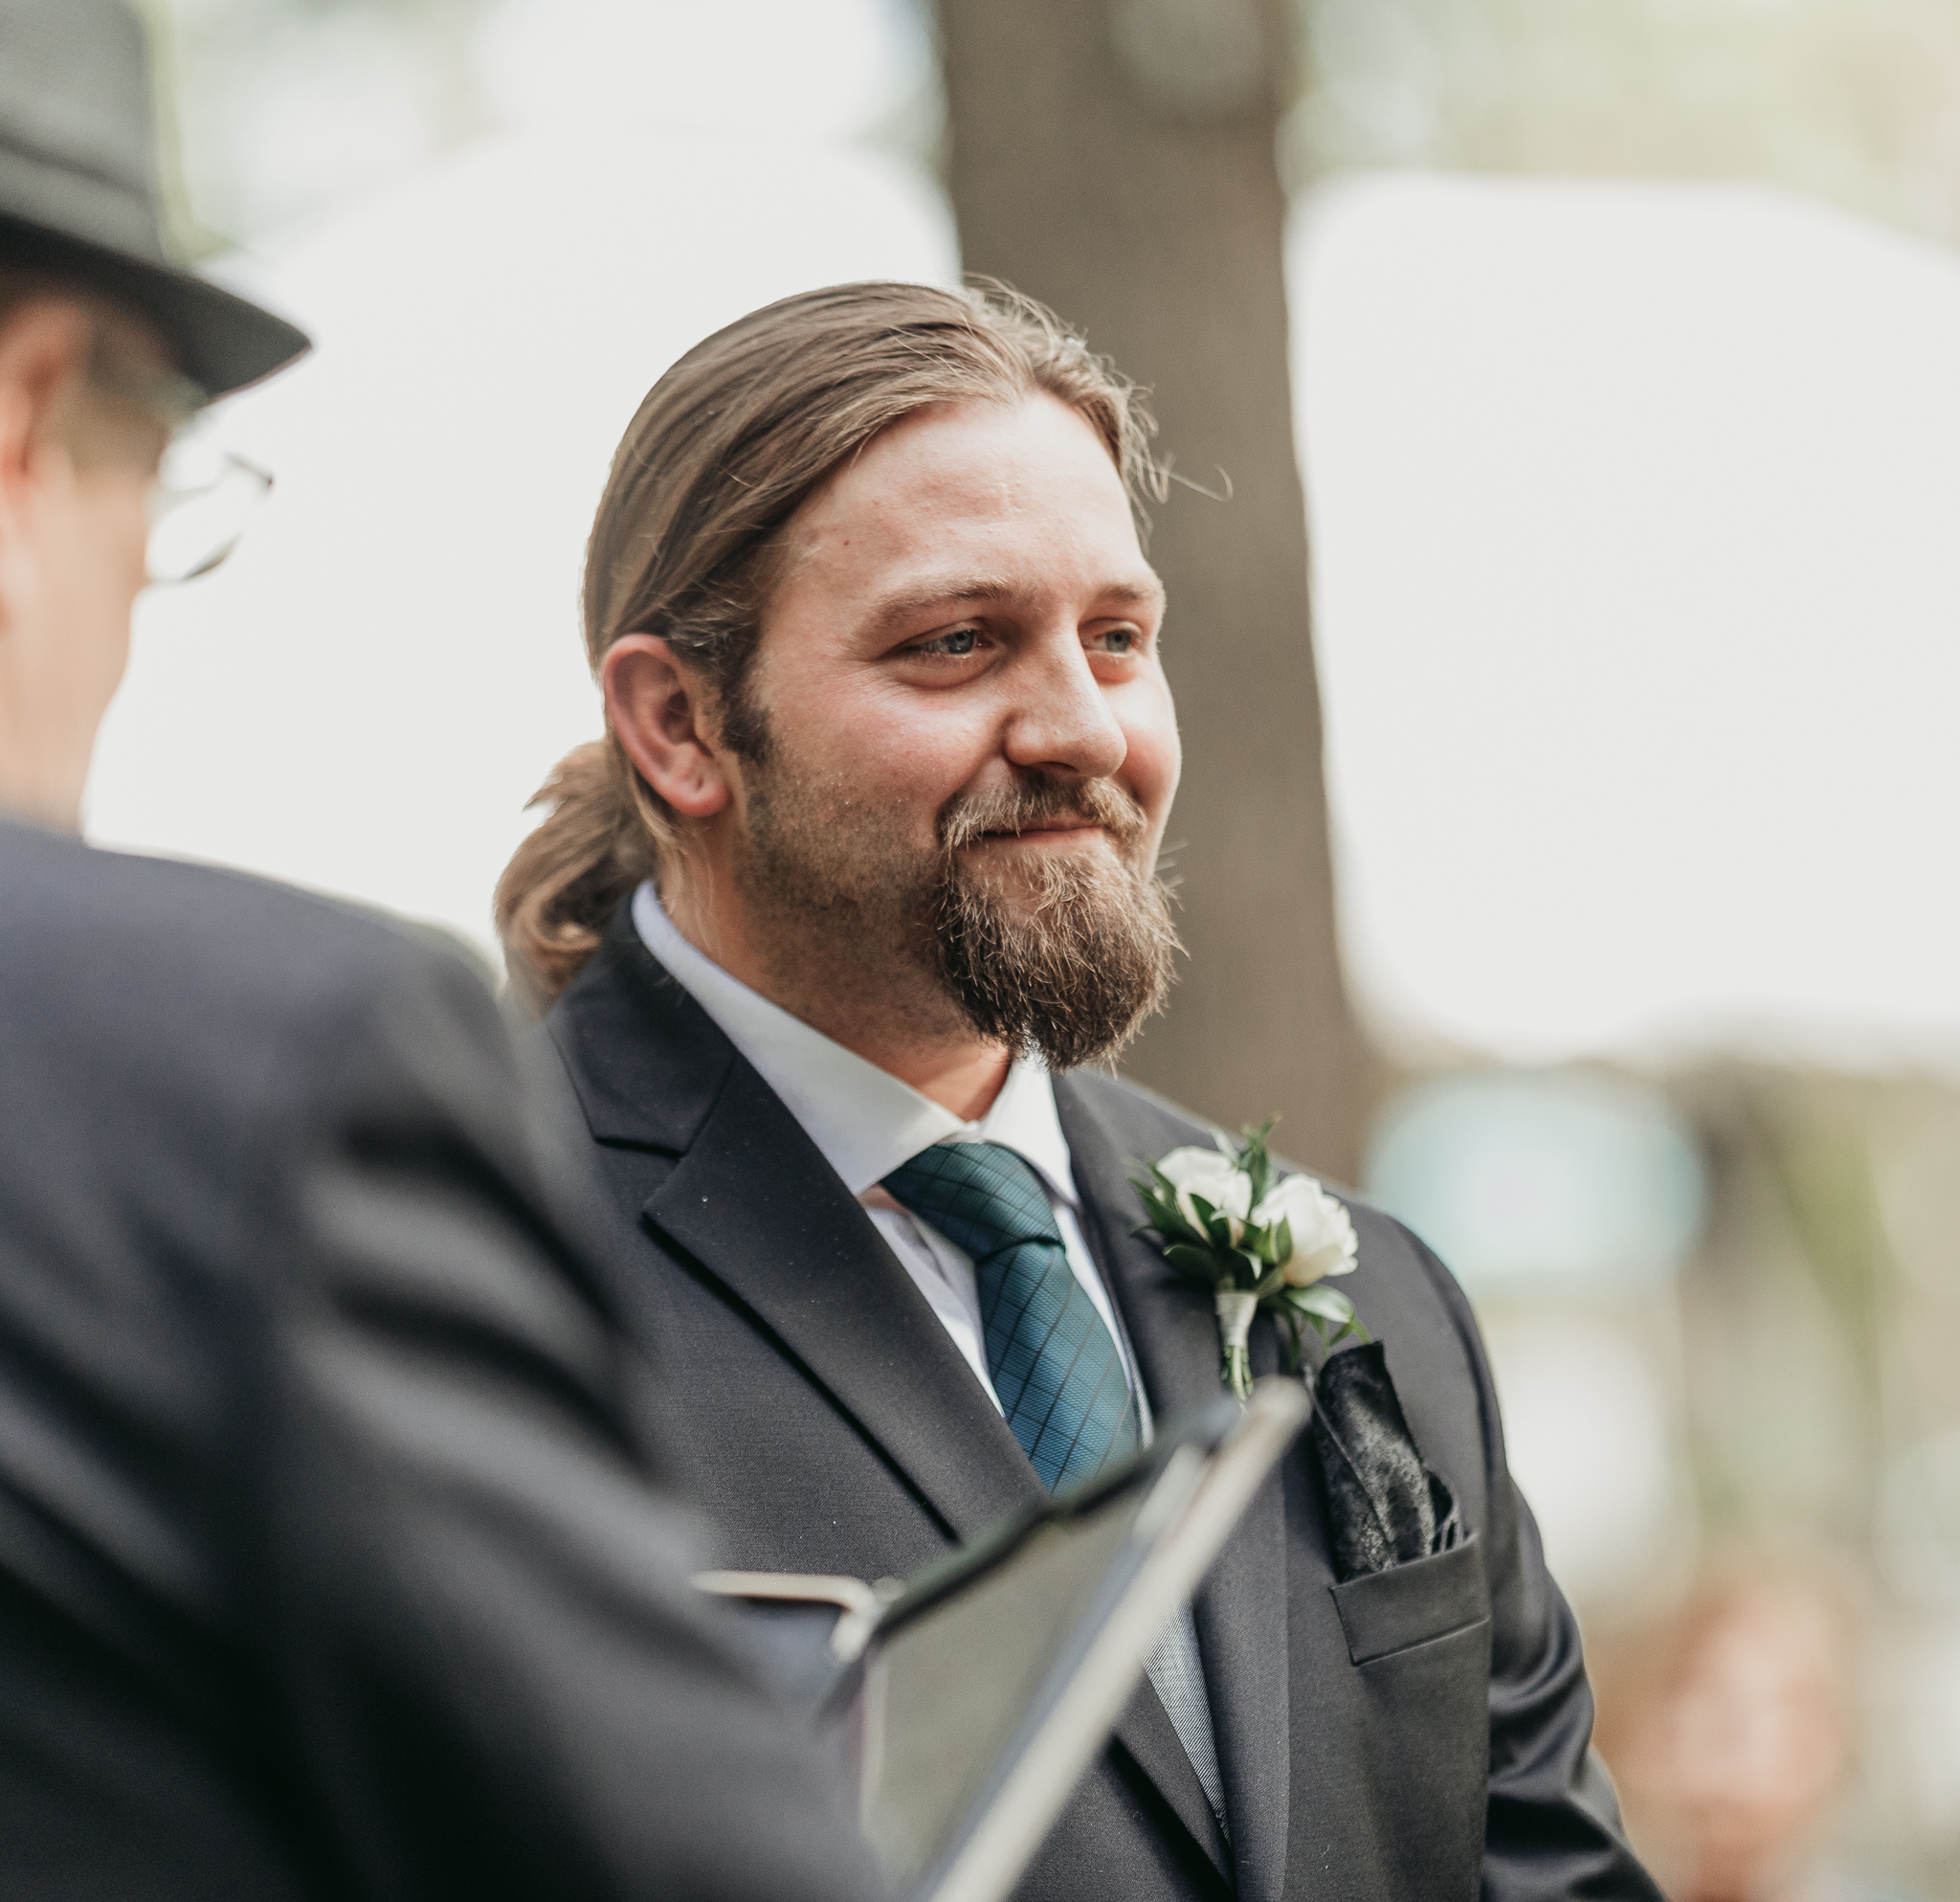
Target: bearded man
[860, 881]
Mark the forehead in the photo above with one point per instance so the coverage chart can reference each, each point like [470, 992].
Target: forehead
[1029, 482]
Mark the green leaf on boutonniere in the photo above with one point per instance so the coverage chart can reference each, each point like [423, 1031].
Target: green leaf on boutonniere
[1254, 1159]
[1329, 1310]
[1199, 1264]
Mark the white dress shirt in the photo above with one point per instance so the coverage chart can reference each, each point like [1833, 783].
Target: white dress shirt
[866, 1123]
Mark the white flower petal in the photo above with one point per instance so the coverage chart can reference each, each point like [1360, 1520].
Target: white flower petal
[1324, 1241]
[1203, 1172]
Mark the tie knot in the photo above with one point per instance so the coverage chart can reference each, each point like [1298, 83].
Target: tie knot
[979, 1194]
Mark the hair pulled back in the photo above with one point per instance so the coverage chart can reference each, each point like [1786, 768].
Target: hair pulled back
[727, 445]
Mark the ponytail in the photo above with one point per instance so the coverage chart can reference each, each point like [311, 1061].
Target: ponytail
[565, 881]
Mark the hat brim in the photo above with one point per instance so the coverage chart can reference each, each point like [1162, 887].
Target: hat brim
[223, 341]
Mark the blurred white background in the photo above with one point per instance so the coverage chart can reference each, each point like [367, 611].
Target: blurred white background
[1636, 530]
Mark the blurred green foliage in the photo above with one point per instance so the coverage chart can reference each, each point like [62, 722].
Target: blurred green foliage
[1849, 100]
[270, 110]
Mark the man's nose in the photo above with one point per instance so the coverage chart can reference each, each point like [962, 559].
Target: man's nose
[1061, 720]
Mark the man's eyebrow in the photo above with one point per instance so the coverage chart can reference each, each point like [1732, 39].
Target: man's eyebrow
[895, 609]
[1139, 591]
[892, 612]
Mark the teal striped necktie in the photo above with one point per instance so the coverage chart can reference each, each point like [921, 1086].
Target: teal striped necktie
[1054, 1363]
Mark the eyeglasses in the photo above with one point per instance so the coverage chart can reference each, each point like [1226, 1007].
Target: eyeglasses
[200, 505]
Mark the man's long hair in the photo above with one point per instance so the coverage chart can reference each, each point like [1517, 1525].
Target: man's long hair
[686, 544]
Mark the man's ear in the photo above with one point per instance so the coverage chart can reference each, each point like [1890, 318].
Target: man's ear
[659, 708]
[42, 351]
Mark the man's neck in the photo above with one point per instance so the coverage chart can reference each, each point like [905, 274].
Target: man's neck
[899, 1021]
[965, 1081]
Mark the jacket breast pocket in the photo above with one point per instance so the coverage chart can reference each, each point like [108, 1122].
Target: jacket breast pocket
[1413, 1604]
[1419, 1638]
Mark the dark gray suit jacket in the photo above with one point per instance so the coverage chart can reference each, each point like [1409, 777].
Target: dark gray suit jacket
[1419, 1734]
[329, 1561]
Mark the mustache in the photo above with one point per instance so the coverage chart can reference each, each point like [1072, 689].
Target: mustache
[1038, 800]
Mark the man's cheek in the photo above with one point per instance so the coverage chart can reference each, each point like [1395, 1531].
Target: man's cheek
[1151, 769]
[912, 766]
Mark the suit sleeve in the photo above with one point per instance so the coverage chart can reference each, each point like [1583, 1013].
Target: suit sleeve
[1552, 1828]
[470, 1589]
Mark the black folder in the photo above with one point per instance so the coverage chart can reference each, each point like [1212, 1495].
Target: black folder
[968, 1702]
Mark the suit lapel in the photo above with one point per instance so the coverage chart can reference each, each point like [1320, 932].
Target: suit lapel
[752, 1202]
[1241, 1610]
[757, 1206]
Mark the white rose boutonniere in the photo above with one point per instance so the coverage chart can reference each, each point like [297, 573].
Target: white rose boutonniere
[1226, 1221]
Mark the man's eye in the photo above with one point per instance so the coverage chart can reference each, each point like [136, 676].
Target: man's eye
[1118, 640]
[956, 643]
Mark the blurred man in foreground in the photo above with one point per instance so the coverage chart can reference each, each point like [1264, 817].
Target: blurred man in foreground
[330, 1563]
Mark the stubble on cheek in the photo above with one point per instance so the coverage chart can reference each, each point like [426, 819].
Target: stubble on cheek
[830, 880]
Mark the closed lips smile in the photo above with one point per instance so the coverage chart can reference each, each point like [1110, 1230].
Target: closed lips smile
[1048, 829]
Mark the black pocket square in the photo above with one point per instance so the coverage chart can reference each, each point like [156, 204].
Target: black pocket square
[1384, 1506]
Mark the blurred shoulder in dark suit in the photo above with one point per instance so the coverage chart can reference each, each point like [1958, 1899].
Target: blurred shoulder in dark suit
[329, 1561]
[334, 1558]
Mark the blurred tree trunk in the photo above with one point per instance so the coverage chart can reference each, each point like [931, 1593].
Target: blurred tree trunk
[1115, 159]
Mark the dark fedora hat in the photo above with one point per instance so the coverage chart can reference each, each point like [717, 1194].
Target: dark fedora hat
[78, 186]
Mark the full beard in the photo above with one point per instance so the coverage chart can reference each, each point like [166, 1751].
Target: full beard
[1065, 956]
[1062, 955]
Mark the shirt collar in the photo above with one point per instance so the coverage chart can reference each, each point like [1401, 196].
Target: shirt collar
[864, 1120]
